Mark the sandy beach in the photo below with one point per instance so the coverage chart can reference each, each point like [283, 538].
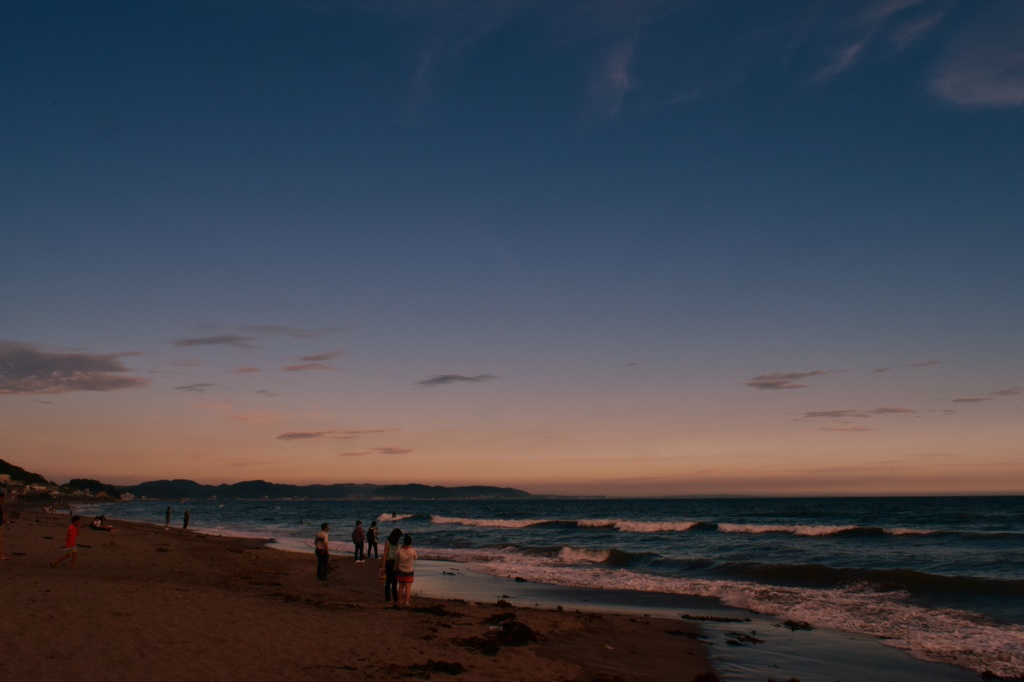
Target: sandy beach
[149, 603]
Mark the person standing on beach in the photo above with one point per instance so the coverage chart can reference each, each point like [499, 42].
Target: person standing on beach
[184, 525]
[389, 563]
[323, 554]
[167, 518]
[3, 523]
[70, 543]
[358, 538]
[406, 562]
[371, 540]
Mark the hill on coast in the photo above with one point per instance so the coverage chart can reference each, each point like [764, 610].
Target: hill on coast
[183, 488]
[180, 488]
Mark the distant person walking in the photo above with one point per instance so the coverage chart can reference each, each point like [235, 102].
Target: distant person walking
[184, 525]
[371, 540]
[323, 554]
[358, 538]
[167, 518]
[390, 565]
[406, 563]
[70, 543]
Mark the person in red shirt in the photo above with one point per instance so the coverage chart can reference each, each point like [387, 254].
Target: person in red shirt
[70, 543]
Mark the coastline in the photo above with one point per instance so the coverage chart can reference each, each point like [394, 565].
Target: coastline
[150, 603]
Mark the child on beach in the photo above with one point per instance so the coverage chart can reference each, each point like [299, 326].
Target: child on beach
[406, 561]
[70, 543]
[3, 521]
[389, 563]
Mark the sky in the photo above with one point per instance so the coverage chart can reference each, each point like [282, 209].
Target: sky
[576, 247]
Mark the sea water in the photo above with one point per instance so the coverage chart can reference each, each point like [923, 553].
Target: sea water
[941, 578]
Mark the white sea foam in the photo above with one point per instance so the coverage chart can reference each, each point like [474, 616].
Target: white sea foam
[638, 526]
[795, 529]
[908, 531]
[574, 555]
[488, 523]
[940, 635]
[393, 517]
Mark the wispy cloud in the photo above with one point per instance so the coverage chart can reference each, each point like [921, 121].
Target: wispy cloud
[926, 363]
[246, 370]
[195, 388]
[612, 81]
[854, 429]
[322, 357]
[310, 367]
[266, 392]
[330, 435]
[783, 380]
[230, 340]
[857, 414]
[24, 369]
[983, 65]
[444, 379]
[871, 20]
[971, 400]
[1006, 392]
[376, 451]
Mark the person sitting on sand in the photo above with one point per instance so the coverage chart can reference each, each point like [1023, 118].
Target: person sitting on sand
[100, 523]
[406, 561]
[70, 543]
[389, 562]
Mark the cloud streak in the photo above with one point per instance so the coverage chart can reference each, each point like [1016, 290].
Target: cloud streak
[230, 340]
[983, 67]
[330, 435]
[310, 367]
[376, 451]
[782, 380]
[445, 379]
[27, 370]
[857, 414]
[195, 388]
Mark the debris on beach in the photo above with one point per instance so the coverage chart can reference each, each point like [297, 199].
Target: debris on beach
[740, 639]
[797, 625]
[714, 619]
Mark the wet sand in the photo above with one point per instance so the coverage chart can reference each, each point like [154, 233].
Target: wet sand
[156, 604]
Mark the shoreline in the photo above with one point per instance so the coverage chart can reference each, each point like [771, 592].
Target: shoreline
[821, 654]
[149, 603]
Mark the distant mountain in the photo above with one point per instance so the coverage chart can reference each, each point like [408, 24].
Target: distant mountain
[18, 474]
[179, 488]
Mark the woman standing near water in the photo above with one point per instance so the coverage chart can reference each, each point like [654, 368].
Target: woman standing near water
[390, 563]
[406, 562]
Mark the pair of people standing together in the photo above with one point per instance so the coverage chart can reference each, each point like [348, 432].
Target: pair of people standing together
[369, 538]
[398, 564]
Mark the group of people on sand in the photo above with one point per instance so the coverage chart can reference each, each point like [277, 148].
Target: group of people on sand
[397, 562]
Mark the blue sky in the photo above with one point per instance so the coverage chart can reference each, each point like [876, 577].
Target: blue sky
[601, 247]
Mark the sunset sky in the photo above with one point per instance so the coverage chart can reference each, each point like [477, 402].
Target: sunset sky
[576, 247]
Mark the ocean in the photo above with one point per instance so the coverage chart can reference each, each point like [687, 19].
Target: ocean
[939, 578]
